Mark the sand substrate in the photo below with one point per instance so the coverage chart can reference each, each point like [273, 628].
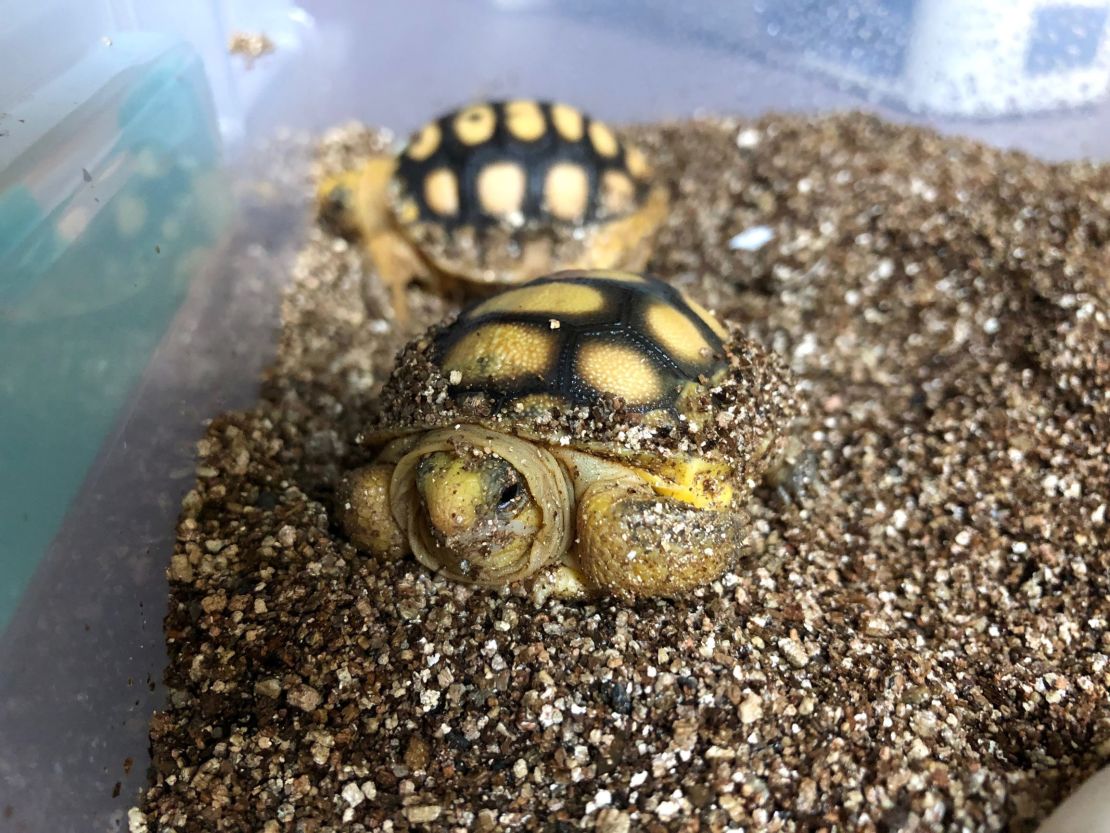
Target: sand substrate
[920, 642]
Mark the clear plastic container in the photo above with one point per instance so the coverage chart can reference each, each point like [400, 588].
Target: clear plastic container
[139, 268]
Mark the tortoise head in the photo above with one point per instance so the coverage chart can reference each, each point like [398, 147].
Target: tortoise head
[353, 203]
[476, 504]
[481, 506]
[335, 198]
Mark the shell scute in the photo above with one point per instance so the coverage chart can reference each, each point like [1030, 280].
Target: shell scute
[522, 161]
[607, 336]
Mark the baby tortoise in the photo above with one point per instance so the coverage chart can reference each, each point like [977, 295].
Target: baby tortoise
[595, 432]
[499, 193]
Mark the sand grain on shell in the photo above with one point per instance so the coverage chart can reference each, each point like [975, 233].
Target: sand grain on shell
[919, 645]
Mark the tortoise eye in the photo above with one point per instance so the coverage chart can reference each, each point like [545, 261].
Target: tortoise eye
[508, 495]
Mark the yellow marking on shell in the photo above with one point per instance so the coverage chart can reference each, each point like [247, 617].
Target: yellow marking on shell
[566, 191]
[501, 187]
[677, 333]
[425, 143]
[552, 299]
[703, 484]
[636, 162]
[567, 121]
[441, 192]
[618, 370]
[501, 351]
[475, 124]
[603, 140]
[525, 120]
[618, 194]
[704, 315]
[409, 212]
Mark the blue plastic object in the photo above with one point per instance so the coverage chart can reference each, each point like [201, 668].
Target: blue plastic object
[104, 211]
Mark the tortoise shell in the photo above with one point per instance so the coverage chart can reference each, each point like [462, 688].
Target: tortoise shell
[515, 163]
[612, 363]
[579, 338]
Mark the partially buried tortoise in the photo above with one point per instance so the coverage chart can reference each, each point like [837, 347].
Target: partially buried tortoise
[593, 432]
[496, 194]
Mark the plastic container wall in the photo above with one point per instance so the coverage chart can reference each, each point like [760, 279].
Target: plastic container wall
[1031, 74]
[139, 279]
[110, 199]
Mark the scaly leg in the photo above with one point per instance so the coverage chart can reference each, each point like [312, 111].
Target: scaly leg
[398, 265]
[561, 581]
[632, 542]
[362, 505]
[355, 204]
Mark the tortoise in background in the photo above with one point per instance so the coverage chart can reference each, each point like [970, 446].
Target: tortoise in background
[496, 194]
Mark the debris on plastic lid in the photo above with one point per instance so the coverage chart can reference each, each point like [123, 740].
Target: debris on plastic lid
[752, 239]
[250, 45]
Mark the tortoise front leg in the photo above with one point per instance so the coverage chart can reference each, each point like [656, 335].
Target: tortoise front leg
[362, 506]
[355, 204]
[633, 542]
[561, 581]
[397, 265]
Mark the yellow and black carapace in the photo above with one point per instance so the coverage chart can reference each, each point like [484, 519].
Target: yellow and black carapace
[571, 339]
[498, 193]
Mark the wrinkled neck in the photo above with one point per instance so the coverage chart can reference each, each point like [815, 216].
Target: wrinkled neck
[547, 482]
[584, 469]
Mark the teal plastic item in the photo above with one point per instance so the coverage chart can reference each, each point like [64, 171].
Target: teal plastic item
[104, 212]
